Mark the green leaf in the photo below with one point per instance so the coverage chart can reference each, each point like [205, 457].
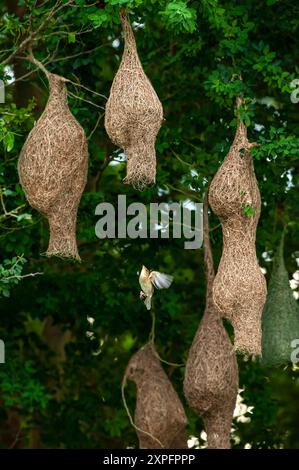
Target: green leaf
[71, 38]
[8, 192]
[9, 141]
[248, 210]
[179, 16]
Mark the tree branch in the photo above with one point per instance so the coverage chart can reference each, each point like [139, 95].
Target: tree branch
[21, 276]
[32, 36]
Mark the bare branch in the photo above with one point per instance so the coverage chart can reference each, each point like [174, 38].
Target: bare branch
[29, 39]
[88, 89]
[11, 213]
[192, 194]
[83, 99]
[96, 125]
[4, 279]
[78, 54]
[36, 62]
[182, 161]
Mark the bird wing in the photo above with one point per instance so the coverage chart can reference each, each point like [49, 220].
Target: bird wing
[160, 280]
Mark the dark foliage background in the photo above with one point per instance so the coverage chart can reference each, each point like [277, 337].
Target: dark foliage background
[60, 386]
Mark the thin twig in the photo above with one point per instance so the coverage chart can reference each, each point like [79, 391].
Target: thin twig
[32, 36]
[16, 439]
[88, 89]
[12, 212]
[182, 161]
[152, 332]
[130, 416]
[66, 33]
[2, 203]
[83, 99]
[152, 342]
[21, 276]
[215, 228]
[96, 125]
[78, 54]
[7, 213]
[36, 62]
[189, 194]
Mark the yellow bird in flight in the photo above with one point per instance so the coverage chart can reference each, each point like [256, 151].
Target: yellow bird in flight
[150, 279]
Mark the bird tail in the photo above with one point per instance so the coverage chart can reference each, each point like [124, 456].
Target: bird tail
[148, 302]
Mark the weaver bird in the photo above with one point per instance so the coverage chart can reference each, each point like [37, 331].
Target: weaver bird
[150, 279]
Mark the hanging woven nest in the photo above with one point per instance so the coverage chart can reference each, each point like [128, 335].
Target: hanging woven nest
[280, 323]
[134, 114]
[239, 288]
[211, 375]
[160, 418]
[53, 167]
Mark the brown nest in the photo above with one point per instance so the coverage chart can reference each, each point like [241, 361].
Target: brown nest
[134, 114]
[239, 289]
[53, 168]
[211, 375]
[160, 419]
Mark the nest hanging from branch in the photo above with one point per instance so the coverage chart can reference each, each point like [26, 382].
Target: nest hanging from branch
[280, 323]
[160, 418]
[211, 375]
[134, 114]
[239, 289]
[53, 167]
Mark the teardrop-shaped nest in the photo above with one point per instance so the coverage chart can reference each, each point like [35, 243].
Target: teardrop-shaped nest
[159, 411]
[239, 288]
[134, 114]
[211, 378]
[280, 321]
[211, 374]
[53, 169]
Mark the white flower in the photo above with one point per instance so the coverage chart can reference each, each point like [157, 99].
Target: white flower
[193, 442]
[90, 335]
[294, 284]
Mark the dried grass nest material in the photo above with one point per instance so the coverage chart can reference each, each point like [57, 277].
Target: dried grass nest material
[239, 289]
[211, 379]
[280, 322]
[134, 114]
[159, 411]
[53, 168]
[211, 374]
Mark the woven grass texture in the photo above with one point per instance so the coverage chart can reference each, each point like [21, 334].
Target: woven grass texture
[211, 375]
[53, 168]
[280, 323]
[239, 289]
[134, 114]
[159, 411]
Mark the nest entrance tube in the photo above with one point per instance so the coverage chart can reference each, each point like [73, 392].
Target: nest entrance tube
[53, 168]
[134, 114]
[280, 321]
[211, 374]
[160, 419]
[239, 289]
